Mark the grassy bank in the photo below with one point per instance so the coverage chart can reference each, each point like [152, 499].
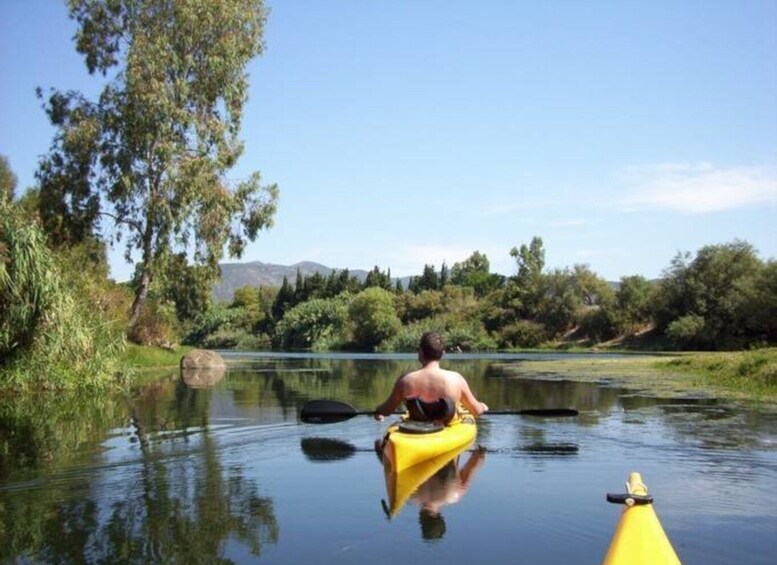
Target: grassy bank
[147, 357]
[746, 373]
[749, 375]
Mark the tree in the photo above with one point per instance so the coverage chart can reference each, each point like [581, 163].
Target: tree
[377, 278]
[7, 180]
[529, 260]
[157, 144]
[475, 263]
[317, 324]
[189, 287]
[704, 296]
[373, 316]
[591, 288]
[283, 300]
[633, 302]
[475, 272]
[429, 280]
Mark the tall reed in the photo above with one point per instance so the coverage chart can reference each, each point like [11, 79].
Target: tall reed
[50, 335]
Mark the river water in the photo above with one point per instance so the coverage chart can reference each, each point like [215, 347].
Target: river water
[227, 473]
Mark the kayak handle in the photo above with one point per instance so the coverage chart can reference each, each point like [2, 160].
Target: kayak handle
[630, 499]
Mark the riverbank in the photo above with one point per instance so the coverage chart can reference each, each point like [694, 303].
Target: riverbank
[746, 375]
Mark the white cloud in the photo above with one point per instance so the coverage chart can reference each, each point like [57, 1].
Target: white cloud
[699, 188]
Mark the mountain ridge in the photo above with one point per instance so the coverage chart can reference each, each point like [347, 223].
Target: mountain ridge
[258, 273]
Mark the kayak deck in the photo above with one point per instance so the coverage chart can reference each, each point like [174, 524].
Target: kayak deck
[639, 537]
[402, 450]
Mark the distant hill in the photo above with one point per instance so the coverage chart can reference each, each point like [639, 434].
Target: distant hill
[256, 273]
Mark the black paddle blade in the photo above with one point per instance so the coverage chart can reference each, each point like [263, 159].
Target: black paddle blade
[326, 412]
[551, 449]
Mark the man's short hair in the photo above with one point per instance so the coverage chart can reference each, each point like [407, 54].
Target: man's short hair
[432, 346]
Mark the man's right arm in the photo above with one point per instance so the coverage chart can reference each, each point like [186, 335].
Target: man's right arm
[394, 399]
[469, 400]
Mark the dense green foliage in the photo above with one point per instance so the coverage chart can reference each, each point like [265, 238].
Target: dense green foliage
[725, 297]
[57, 328]
[318, 324]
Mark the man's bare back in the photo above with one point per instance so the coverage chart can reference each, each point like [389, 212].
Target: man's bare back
[431, 382]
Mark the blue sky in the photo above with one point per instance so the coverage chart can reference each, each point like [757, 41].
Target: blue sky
[403, 133]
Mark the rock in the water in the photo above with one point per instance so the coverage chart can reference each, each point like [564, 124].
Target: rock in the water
[202, 378]
[202, 368]
[202, 359]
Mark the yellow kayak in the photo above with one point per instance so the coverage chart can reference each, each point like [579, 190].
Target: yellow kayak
[639, 538]
[407, 444]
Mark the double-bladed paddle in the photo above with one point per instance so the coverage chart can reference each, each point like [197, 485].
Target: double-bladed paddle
[327, 450]
[332, 411]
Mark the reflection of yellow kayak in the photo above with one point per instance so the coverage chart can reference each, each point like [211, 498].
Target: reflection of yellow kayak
[639, 537]
[401, 486]
[404, 448]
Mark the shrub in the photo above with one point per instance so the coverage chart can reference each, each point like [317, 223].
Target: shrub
[687, 332]
[466, 335]
[216, 319]
[157, 324]
[310, 323]
[373, 317]
[596, 324]
[523, 333]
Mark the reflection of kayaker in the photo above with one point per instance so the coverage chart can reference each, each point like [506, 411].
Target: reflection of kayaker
[431, 484]
[446, 486]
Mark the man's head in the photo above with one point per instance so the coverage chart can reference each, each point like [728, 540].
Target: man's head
[432, 524]
[431, 347]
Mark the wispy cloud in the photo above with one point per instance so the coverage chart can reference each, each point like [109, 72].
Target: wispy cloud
[699, 188]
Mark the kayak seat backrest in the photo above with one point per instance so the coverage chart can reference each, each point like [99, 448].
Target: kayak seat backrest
[413, 427]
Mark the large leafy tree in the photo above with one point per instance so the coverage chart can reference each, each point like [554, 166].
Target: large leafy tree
[700, 300]
[153, 151]
[374, 317]
[475, 272]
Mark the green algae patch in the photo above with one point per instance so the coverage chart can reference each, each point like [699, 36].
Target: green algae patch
[748, 376]
[745, 374]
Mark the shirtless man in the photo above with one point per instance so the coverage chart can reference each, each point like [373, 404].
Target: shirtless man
[431, 393]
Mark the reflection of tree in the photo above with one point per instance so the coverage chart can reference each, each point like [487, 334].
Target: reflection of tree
[187, 511]
[166, 508]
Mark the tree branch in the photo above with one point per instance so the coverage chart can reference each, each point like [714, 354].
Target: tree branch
[119, 220]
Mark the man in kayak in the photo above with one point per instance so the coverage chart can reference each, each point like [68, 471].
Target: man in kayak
[431, 393]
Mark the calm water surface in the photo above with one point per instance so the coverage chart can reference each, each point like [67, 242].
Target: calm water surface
[224, 473]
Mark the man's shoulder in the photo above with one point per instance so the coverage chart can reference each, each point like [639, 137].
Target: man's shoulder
[452, 374]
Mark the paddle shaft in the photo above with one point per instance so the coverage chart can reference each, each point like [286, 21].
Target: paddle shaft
[527, 412]
[331, 411]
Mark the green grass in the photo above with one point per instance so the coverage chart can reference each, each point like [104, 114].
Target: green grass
[147, 357]
[751, 374]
